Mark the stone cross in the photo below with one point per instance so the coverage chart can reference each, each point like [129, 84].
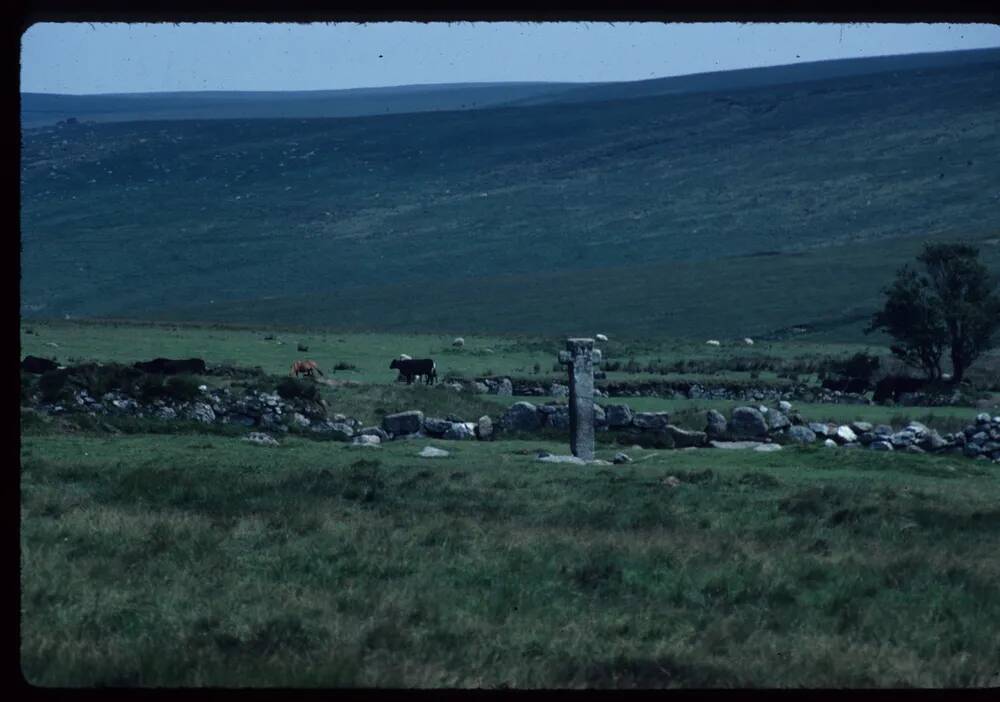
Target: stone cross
[580, 357]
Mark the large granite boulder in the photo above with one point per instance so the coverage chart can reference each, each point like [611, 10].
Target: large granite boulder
[716, 427]
[201, 412]
[459, 431]
[844, 435]
[559, 390]
[801, 435]
[684, 438]
[558, 418]
[747, 423]
[409, 422]
[777, 421]
[651, 421]
[618, 416]
[521, 416]
[600, 417]
[435, 426]
[381, 433]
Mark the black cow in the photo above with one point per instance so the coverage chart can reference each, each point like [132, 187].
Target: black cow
[892, 386]
[34, 364]
[416, 366]
[167, 366]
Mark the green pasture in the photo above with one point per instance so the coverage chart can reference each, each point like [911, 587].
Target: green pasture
[377, 392]
[201, 560]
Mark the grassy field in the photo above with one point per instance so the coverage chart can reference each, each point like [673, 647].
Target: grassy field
[371, 352]
[189, 560]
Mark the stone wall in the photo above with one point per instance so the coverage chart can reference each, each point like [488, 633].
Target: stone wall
[683, 389]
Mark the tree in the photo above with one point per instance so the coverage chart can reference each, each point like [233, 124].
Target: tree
[952, 306]
[964, 290]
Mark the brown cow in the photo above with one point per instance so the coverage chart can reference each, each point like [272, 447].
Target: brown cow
[305, 368]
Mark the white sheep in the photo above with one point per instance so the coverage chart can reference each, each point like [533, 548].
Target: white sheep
[748, 341]
[713, 342]
[601, 337]
[459, 342]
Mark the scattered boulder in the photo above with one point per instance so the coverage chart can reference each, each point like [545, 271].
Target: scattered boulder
[777, 421]
[431, 452]
[484, 428]
[505, 388]
[801, 435]
[435, 426]
[521, 416]
[550, 458]
[767, 448]
[931, 441]
[671, 481]
[747, 423]
[830, 443]
[621, 458]
[480, 388]
[880, 446]
[341, 431]
[558, 418]
[601, 337]
[409, 422]
[559, 390]
[200, 412]
[261, 438]
[618, 416]
[684, 438]
[381, 433]
[785, 406]
[651, 420]
[367, 439]
[458, 343]
[716, 427]
[735, 444]
[821, 430]
[459, 431]
[166, 413]
[844, 435]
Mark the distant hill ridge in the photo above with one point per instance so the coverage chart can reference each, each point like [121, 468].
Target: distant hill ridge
[39, 109]
[649, 214]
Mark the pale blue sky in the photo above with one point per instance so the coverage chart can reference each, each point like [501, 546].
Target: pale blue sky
[121, 58]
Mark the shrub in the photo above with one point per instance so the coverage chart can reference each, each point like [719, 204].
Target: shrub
[183, 388]
[537, 368]
[99, 380]
[302, 347]
[291, 388]
[344, 365]
[860, 365]
[53, 385]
